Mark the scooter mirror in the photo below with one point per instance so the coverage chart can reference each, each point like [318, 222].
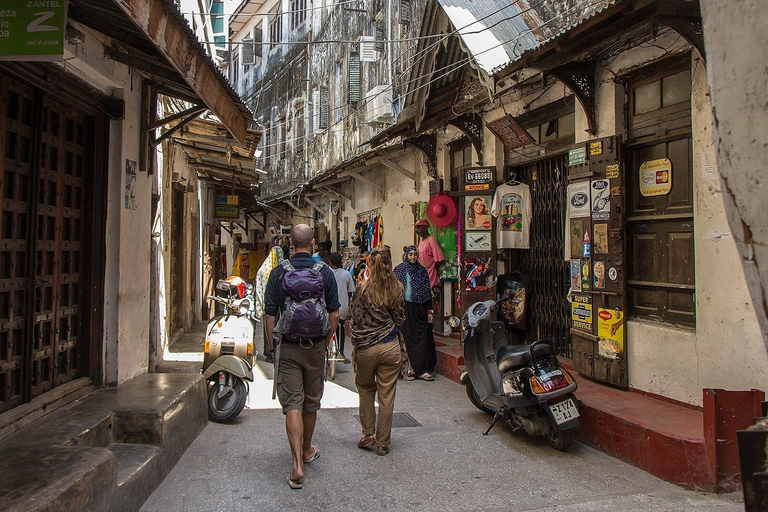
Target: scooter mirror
[249, 289]
[222, 285]
[454, 321]
[491, 281]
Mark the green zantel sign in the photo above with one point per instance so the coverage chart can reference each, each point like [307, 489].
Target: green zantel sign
[32, 29]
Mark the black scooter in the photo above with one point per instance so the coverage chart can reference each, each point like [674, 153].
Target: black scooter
[524, 384]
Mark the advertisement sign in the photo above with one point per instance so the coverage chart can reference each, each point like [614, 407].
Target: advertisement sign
[578, 200]
[477, 213]
[656, 177]
[577, 156]
[32, 30]
[610, 330]
[477, 270]
[478, 179]
[477, 241]
[575, 275]
[581, 312]
[601, 199]
[227, 207]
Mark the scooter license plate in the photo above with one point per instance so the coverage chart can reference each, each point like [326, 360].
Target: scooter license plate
[564, 411]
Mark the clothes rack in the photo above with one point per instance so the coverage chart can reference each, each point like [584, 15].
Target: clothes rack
[368, 215]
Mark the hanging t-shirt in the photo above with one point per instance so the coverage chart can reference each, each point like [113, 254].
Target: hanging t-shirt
[512, 205]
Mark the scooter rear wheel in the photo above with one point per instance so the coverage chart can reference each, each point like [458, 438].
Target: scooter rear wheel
[472, 394]
[560, 439]
[227, 407]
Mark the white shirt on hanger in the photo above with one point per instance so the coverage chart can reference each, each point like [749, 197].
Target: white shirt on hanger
[512, 204]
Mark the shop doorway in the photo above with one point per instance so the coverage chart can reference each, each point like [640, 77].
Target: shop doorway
[177, 260]
[50, 239]
[543, 263]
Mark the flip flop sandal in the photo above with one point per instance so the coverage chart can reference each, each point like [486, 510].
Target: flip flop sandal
[427, 376]
[295, 484]
[314, 456]
[366, 441]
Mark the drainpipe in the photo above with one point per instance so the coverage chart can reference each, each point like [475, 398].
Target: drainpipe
[307, 91]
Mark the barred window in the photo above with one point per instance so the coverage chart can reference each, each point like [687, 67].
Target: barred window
[298, 13]
[275, 28]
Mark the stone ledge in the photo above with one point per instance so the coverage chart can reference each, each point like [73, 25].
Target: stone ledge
[63, 462]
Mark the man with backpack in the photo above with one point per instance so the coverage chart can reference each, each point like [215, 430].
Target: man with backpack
[301, 309]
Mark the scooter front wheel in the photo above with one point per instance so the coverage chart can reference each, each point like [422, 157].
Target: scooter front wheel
[472, 394]
[560, 439]
[227, 407]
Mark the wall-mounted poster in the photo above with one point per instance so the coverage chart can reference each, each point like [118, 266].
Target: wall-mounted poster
[600, 232]
[575, 275]
[599, 275]
[585, 275]
[610, 330]
[130, 185]
[601, 200]
[656, 177]
[577, 229]
[477, 269]
[581, 312]
[578, 200]
[476, 241]
[477, 213]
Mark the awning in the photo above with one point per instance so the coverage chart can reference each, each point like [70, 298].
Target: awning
[219, 159]
[152, 36]
[496, 36]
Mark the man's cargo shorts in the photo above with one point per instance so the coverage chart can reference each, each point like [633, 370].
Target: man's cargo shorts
[300, 376]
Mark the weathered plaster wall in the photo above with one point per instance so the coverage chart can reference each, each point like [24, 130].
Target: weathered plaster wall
[126, 322]
[737, 50]
[725, 349]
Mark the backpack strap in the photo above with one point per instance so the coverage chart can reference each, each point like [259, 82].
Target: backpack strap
[286, 264]
[318, 266]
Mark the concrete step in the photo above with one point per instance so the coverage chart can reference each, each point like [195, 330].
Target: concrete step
[108, 451]
[450, 357]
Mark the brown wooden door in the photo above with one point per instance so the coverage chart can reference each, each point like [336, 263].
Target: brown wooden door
[598, 299]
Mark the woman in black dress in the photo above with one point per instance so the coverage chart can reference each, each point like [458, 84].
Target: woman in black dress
[417, 329]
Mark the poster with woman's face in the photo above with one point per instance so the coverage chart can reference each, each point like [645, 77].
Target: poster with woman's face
[477, 213]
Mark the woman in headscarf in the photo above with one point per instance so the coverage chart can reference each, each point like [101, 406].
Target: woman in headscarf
[417, 329]
[376, 314]
[275, 258]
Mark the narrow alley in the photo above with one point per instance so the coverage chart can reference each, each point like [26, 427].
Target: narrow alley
[439, 461]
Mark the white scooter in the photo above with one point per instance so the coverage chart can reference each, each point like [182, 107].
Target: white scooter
[229, 353]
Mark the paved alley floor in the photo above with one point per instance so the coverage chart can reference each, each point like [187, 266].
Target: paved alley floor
[443, 464]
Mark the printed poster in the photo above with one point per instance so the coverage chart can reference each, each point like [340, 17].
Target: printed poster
[601, 199]
[656, 177]
[600, 232]
[477, 241]
[478, 213]
[477, 269]
[578, 200]
[610, 330]
[130, 185]
[585, 275]
[599, 276]
[575, 275]
[577, 229]
[581, 312]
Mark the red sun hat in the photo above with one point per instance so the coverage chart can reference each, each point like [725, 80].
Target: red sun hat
[441, 210]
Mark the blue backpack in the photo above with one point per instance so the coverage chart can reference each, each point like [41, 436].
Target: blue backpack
[303, 314]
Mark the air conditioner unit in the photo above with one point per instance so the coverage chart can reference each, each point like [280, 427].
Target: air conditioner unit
[368, 51]
[379, 101]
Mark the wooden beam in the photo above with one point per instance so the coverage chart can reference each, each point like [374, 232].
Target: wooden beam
[370, 182]
[172, 41]
[405, 172]
[177, 127]
[313, 205]
[178, 115]
[339, 194]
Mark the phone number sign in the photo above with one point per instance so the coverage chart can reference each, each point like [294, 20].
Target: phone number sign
[32, 30]
[478, 178]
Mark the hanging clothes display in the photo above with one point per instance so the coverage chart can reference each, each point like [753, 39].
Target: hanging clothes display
[245, 265]
[448, 239]
[512, 205]
[514, 312]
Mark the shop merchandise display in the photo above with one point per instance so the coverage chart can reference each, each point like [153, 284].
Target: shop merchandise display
[514, 312]
[447, 237]
[512, 206]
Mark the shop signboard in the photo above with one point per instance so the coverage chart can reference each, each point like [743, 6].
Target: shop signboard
[656, 177]
[578, 200]
[581, 312]
[577, 156]
[610, 330]
[227, 207]
[32, 30]
[478, 178]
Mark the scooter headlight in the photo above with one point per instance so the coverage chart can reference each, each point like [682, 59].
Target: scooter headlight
[244, 307]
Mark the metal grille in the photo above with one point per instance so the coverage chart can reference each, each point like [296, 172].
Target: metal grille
[543, 262]
[41, 227]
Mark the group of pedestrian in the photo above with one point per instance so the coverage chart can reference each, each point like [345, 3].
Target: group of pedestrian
[388, 314]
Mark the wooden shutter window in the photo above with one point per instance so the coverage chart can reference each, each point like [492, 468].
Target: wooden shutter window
[247, 52]
[258, 38]
[324, 107]
[405, 12]
[310, 122]
[354, 77]
[379, 44]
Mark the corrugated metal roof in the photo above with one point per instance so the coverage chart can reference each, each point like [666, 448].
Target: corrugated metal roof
[496, 34]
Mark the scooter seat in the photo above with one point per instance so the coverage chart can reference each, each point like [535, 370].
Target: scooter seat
[511, 356]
